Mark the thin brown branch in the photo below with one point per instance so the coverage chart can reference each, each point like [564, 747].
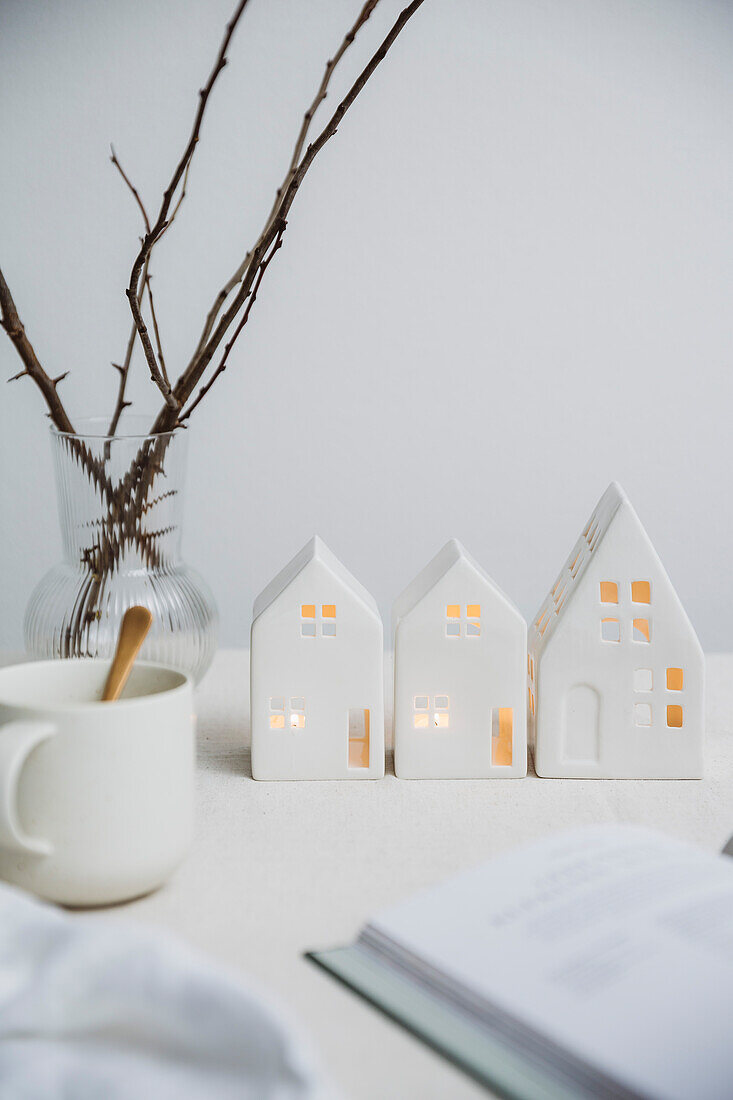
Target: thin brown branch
[148, 283]
[13, 325]
[124, 369]
[195, 369]
[162, 219]
[132, 188]
[320, 95]
[264, 264]
[153, 365]
[145, 284]
[322, 92]
[179, 200]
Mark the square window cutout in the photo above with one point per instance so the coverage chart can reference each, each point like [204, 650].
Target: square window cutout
[641, 592]
[473, 610]
[328, 629]
[441, 721]
[453, 630]
[298, 703]
[610, 630]
[675, 679]
[473, 630]
[297, 721]
[642, 714]
[308, 630]
[643, 679]
[308, 610]
[277, 703]
[328, 610]
[441, 702]
[277, 721]
[420, 721]
[642, 630]
[421, 702]
[609, 592]
[674, 715]
[453, 611]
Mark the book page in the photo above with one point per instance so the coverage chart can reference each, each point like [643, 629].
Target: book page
[614, 942]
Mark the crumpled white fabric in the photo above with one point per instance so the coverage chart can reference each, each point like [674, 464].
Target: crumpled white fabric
[98, 1010]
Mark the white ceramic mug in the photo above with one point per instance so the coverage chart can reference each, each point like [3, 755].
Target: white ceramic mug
[96, 799]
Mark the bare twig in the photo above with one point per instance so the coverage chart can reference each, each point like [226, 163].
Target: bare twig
[13, 325]
[243, 321]
[321, 94]
[124, 369]
[189, 379]
[179, 200]
[148, 283]
[142, 330]
[145, 284]
[161, 221]
[133, 189]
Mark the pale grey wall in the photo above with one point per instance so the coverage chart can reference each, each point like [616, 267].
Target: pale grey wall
[507, 280]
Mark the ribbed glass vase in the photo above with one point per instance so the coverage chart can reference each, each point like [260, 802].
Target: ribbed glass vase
[120, 505]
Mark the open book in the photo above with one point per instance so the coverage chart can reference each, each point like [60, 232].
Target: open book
[594, 963]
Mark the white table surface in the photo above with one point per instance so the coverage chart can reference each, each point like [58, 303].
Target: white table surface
[280, 868]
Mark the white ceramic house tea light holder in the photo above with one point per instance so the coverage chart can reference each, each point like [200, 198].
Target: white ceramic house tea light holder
[616, 672]
[460, 675]
[316, 674]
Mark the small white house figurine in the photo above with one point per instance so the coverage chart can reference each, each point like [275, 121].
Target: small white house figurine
[615, 668]
[316, 674]
[460, 675]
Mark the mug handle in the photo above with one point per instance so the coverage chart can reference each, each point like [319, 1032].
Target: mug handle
[17, 741]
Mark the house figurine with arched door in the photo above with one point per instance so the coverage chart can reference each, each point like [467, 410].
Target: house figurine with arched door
[460, 675]
[316, 674]
[615, 668]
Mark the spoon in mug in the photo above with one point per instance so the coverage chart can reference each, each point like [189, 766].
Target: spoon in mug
[135, 625]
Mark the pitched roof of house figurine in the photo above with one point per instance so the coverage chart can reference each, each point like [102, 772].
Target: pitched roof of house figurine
[315, 552]
[452, 556]
[613, 522]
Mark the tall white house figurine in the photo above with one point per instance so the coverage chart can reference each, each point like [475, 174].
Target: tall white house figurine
[616, 673]
[460, 675]
[316, 674]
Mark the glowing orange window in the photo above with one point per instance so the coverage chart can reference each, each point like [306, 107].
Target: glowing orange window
[642, 630]
[421, 717]
[609, 592]
[431, 710]
[287, 714]
[502, 731]
[277, 713]
[675, 679]
[441, 717]
[641, 592]
[358, 737]
[312, 624]
[674, 715]
[308, 620]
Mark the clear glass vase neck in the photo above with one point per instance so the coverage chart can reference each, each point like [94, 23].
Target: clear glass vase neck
[120, 500]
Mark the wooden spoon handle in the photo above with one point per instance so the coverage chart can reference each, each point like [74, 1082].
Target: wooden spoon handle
[135, 625]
